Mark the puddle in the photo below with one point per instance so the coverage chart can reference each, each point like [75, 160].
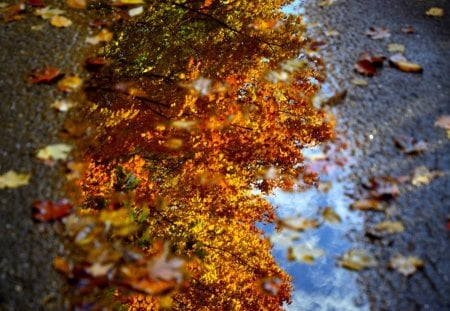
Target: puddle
[321, 285]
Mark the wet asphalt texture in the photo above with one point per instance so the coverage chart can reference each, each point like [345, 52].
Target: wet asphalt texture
[393, 104]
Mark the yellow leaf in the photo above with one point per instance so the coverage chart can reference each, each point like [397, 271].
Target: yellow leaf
[69, 83]
[12, 179]
[60, 21]
[405, 265]
[359, 82]
[48, 12]
[395, 47]
[77, 4]
[54, 152]
[330, 216]
[434, 11]
[103, 36]
[62, 105]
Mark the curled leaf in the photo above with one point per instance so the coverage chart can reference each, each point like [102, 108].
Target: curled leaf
[400, 62]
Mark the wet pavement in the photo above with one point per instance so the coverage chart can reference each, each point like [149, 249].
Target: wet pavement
[393, 104]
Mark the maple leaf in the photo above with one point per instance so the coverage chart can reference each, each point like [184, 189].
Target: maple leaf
[46, 210]
[11, 179]
[400, 62]
[405, 265]
[54, 152]
[46, 75]
[357, 259]
[378, 33]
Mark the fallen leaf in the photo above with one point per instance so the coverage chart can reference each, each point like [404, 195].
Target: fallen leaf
[443, 121]
[408, 30]
[62, 105]
[61, 265]
[69, 83]
[331, 33]
[103, 36]
[94, 63]
[324, 3]
[331, 216]
[378, 33]
[395, 47]
[410, 145]
[359, 82]
[60, 21]
[77, 4]
[307, 253]
[400, 62]
[385, 228]
[12, 13]
[368, 64]
[36, 3]
[357, 259]
[47, 75]
[383, 187]
[46, 210]
[434, 11]
[48, 12]
[405, 265]
[127, 2]
[297, 224]
[54, 152]
[12, 179]
[423, 176]
[136, 11]
[98, 269]
[368, 205]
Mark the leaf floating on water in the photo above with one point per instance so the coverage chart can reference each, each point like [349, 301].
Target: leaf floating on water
[48, 12]
[378, 33]
[77, 4]
[410, 145]
[103, 36]
[46, 210]
[400, 62]
[359, 82]
[369, 64]
[443, 121]
[395, 47]
[307, 253]
[11, 179]
[331, 216]
[60, 21]
[435, 11]
[405, 265]
[357, 259]
[54, 152]
[368, 205]
[70, 83]
[383, 187]
[13, 12]
[46, 75]
[297, 224]
[408, 30]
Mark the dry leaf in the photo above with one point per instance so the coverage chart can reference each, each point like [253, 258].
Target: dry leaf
[368, 64]
[46, 75]
[70, 83]
[357, 259]
[400, 62]
[359, 82]
[408, 30]
[405, 265]
[368, 205]
[45, 210]
[378, 33]
[103, 36]
[434, 11]
[423, 176]
[331, 216]
[60, 21]
[383, 187]
[410, 145]
[11, 179]
[385, 228]
[61, 265]
[443, 121]
[54, 152]
[12, 12]
[77, 4]
[395, 47]
[48, 12]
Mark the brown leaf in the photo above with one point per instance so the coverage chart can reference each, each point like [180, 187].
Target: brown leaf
[61, 265]
[368, 64]
[383, 187]
[94, 63]
[385, 228]
[77, 4]
[331, 216]
[368, 205]
[46, 75]
[378, 33]
[12, 12]
[400, 62]
[405, 265]
[408, 30]
[410, 145]
[423, 176]
[297, 224]
[46, 210]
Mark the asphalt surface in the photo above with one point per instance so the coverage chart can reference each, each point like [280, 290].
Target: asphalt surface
[393, 104]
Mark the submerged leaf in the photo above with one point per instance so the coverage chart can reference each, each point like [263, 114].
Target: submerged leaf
[11, 179]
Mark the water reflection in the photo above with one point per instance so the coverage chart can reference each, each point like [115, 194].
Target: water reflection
[320, 285]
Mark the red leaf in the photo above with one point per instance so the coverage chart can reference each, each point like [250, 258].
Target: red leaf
[368, 64]
[36, 3]
[46, 210]
[47, 75]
